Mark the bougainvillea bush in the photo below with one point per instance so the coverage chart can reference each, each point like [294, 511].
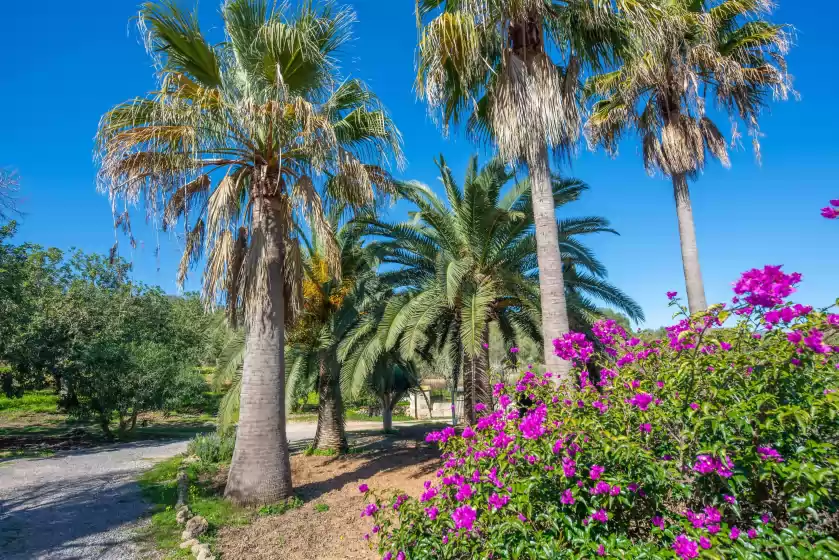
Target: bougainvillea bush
[716, 442]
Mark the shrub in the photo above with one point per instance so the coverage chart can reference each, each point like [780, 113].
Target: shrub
[213, 448]
[711, 442]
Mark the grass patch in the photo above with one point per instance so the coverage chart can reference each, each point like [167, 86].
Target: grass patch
[25, 453]
[159, 486]
[321, 508]
[281, 507]
[34, 402]
[311, 451]
[362, 417]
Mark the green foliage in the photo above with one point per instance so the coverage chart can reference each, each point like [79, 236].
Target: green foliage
[719, 443]
[213, 448]
[281, 507]
[321, 508]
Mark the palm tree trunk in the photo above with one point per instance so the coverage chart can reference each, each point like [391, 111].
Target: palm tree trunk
[260, 472]
[476, 379]
[551, 282]
[387, 413]
[690, 252]
[330, 435]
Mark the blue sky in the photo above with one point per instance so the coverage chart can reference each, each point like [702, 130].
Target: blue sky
[66, 63]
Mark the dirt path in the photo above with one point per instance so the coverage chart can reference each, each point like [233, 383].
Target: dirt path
[82, 504]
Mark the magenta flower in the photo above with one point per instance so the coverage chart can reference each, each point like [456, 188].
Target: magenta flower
[387, 556]
[672, 295]
[432, 512]
[600, 516]
[769, 454]
[522, 518]
[751, 533]
[400, 555]
[467, 431]
[363, 488]
[569, 467]
[734, 534]
[464, 517]
[428, 495]
[830, 213]
[369, 510]
[645, 428]
[601, 488]
[601, 550]
[485, 345]
[694, 406]
[794, 337]
[712, 515]
[833, 320]
[767, 287]
[567, 498]
[514, 350]
[765, 518]
[532, 425]
[658, 522]
[480, 407]
[835, 202]
[464, 492]
[596, 472]
[729, 499]
[704, 543]
[615, 491]
[685, 548]
[642, 400]
[497, 501]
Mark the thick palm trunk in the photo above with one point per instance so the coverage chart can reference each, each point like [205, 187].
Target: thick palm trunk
[330, 435]
[387, 413]
[690, 252]
[260, 472]
[551, 282]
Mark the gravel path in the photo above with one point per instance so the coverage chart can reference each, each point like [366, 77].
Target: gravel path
[82, 505]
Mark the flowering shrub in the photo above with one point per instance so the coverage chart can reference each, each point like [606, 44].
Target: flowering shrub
[714, 442]
[831, 212]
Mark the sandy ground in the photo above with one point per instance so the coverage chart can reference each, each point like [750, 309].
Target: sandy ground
[337, 534]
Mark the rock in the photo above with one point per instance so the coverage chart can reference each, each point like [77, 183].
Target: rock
[183, 515]
[191, 459]
[205, 554]
[189, 544]
[199, 548]
[195, 526]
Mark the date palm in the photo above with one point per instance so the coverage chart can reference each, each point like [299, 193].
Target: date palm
[677, 56]
[471, 259]
[241, 142]
[511, 69]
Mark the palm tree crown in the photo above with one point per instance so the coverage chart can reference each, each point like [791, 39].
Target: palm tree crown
[675, 55]
[470, 259]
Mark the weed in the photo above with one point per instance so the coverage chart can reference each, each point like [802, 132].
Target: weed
[321, 508]
[281, 507]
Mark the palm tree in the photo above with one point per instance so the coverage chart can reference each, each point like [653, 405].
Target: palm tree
[491, 63]
[242, 141]
[471, 259]
[331, 307]
[676, 55]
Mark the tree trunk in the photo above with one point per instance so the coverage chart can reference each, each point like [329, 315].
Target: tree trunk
[260, 472]
[551, 282]
[476, 379]
[387, 413]
[690, 252]
[330, 434]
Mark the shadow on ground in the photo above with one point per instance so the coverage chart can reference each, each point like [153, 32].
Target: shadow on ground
[54, 520]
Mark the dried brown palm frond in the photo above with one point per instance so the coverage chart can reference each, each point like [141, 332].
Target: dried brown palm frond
[677, 57]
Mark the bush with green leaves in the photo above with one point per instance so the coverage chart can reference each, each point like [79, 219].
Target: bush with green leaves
[213, 448]
[711, 442]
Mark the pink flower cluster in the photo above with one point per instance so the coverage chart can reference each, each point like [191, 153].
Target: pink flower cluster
[573, 345]
[767, 287]
[705, 464]
[787, 314]
[769, 454]
[464, 517]
[831, 213]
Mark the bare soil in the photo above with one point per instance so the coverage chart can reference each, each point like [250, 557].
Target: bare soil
[384, 463]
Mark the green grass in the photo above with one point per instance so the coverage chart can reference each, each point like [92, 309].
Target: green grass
[281, 507]
[321, 508]
[159, 486]
[35, 402]
[362, 417]
[25, 453]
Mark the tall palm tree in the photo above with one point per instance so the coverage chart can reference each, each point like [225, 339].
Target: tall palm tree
[511, 68]
[676, 55]
[471, 259]
[242, 141]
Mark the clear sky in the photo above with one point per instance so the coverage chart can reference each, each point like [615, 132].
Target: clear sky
[63, 64]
